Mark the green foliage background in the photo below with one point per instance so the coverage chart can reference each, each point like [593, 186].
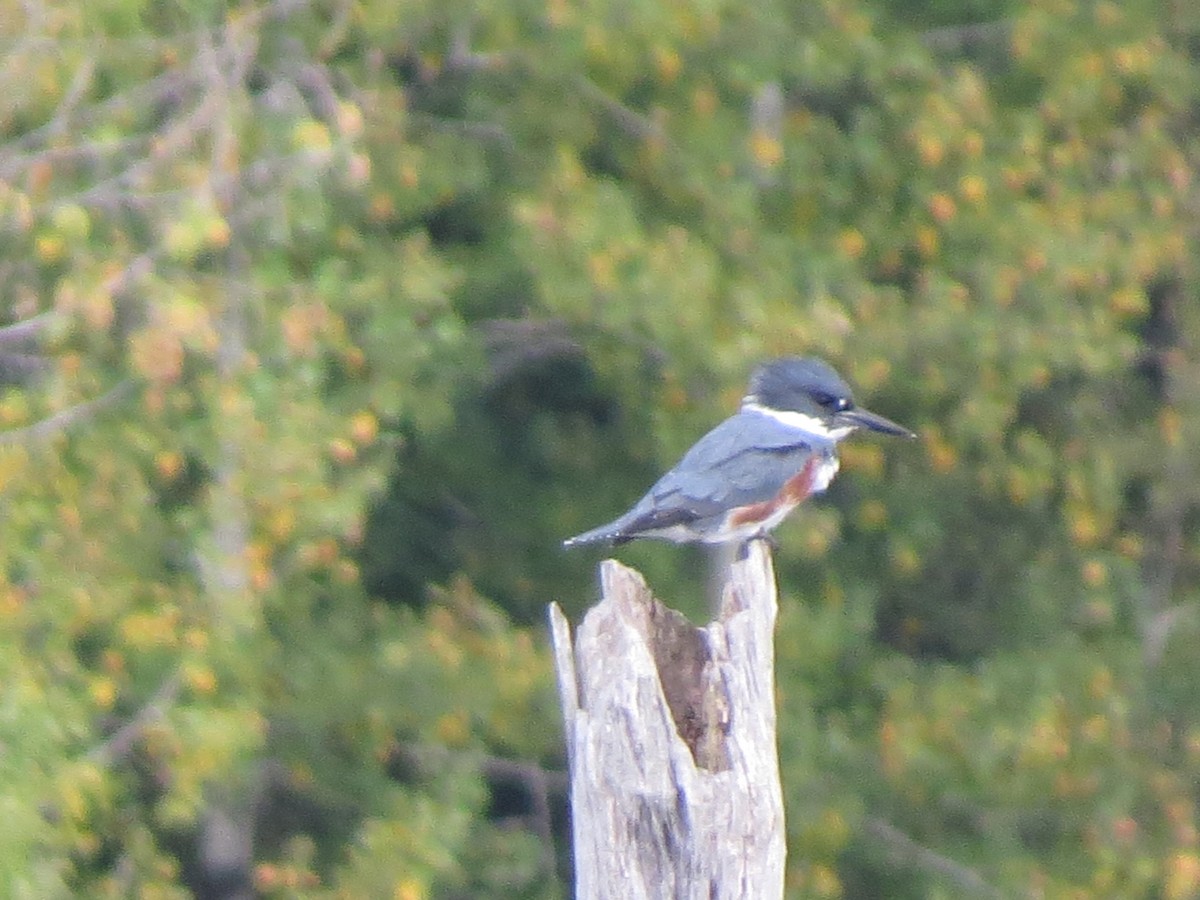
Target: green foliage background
[326, 321]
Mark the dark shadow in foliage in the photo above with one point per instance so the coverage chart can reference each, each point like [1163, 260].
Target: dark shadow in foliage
[941, 14]
[1160, 331]
[474, 497]
[984, 561]
[408, 539]
[983, 565]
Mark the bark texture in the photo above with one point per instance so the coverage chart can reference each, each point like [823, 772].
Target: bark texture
[670, 734]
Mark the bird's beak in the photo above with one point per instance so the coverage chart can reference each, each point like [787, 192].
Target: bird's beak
[861, 418]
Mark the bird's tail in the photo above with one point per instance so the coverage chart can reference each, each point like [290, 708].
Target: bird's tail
[605, 534]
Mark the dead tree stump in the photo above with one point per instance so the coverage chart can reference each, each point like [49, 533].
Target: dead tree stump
[670, 735]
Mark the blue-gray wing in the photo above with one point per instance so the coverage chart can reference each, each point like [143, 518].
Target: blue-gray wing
[746, 459]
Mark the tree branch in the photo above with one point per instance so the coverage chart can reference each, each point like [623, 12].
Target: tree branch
[26, 331]
[514, 344]
[120, 743]
[906, 852]
[538, 783]
[143, 96]
[70, 100]
[629, 120]
[967, 39]
[66, 418]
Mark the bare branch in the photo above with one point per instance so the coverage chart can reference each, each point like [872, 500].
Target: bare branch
[70, 100]
[539, 783]
[461, 58]
[514, 344]
[67, 418]
[631, 122]
[339, 26]
[18, 367]
[967, 39]
[550, 781]
[907, 852]
[1156, 631]
[120, 743]
[281, 9]
[484, 132]
[141, 96]
[26, 331]
[314, 80]
[115, 192]
[88, 151]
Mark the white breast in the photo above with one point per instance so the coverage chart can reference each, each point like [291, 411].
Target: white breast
[826, 469]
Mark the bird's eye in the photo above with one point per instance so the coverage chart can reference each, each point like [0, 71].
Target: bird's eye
[829, 401]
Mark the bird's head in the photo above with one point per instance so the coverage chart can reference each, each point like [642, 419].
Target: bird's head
[807, 393]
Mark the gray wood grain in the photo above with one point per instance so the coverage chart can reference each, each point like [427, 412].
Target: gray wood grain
[670, 732]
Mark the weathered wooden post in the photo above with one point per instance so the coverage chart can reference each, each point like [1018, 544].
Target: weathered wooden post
[670, 735]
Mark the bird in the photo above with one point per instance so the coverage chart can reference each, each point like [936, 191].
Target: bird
[748, 473]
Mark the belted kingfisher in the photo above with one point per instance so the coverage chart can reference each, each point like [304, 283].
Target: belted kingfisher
[743, 478]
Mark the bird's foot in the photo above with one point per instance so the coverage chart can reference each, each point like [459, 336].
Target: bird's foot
[765, 536]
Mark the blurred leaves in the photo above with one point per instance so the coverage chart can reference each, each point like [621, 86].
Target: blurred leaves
[324, 323]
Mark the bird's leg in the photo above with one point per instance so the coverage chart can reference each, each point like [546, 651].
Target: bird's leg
[764, 536]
